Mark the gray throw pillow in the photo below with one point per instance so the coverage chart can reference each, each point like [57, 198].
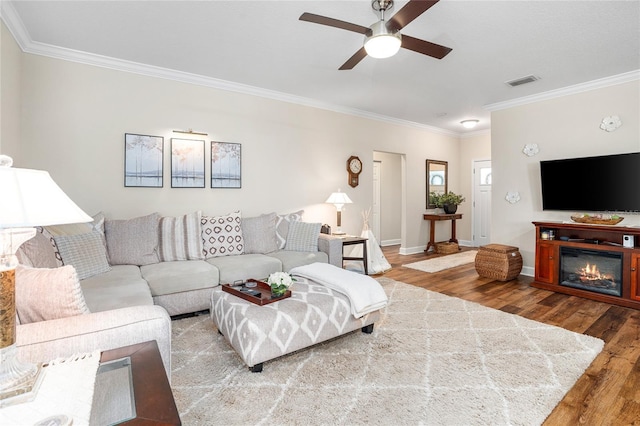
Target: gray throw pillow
[85, 252]
[259, 234]
[303, 236]
[282, 226]
[133, 241]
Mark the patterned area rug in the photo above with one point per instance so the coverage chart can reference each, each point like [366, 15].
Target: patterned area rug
[432, 359]
[444, 262]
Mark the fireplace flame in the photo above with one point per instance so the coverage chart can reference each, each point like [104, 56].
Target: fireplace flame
[592, 273]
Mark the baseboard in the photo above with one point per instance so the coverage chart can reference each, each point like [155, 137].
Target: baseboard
[528, 271]
[411, 250]
[386, 243]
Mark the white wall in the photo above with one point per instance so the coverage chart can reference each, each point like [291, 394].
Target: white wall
[10, 68]
[390, 197]
[473, 147]
[74, 118]
[563, 128]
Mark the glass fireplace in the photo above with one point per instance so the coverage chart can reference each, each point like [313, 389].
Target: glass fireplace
[598, 271]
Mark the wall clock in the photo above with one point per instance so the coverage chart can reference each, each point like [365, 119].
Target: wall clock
[354, 167]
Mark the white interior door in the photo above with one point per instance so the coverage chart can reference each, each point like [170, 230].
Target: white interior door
[375, 210]
[481, 202]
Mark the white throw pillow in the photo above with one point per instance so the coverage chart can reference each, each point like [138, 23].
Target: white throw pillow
[222, 235]
[47, 294]
[303, 236]
[181, 238]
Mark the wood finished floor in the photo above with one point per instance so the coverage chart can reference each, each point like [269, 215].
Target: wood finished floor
[608, 393]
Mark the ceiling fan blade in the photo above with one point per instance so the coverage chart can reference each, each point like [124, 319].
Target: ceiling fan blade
[425, 47]
[353, 61]
[408, 13]
[336, 23]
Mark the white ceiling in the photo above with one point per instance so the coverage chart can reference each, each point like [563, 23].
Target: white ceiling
[262, 44]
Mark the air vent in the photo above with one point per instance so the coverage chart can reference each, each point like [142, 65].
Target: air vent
[523, 80]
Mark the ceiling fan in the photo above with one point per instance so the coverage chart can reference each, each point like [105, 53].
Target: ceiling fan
[383, 38]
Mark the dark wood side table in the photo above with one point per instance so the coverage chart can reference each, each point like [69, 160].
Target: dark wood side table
[433, 218]
[349, 241]
[149, 386]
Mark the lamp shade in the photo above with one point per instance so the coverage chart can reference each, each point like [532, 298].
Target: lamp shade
[339, 198]
[382, 43]
[32, 198]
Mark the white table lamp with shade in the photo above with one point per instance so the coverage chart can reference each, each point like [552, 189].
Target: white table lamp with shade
[28, 198]
[339, 199]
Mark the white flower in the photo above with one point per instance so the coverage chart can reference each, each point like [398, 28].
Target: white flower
[279, 279]
[610, 123]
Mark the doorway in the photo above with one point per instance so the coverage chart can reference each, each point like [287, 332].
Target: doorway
[481, 202]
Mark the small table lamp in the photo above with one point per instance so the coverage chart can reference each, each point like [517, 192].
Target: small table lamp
[339, 199]
[28, 198]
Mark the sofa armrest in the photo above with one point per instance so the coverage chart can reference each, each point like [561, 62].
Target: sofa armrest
[47, 340]
[332, 246]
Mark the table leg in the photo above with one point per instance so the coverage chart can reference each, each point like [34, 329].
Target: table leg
[364, 258]
[453, 232]
[432, 236]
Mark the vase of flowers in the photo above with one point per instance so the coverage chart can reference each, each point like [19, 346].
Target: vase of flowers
[280, 283]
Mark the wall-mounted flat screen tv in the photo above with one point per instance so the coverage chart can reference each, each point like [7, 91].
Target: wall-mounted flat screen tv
[596, 184]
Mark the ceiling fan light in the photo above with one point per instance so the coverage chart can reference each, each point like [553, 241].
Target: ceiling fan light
[382, 43]
[469, 124]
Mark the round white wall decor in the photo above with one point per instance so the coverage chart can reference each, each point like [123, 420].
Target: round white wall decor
[531, 149]
[610, 123]
[512, 197]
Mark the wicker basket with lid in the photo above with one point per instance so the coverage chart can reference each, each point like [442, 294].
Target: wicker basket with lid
[497, 261]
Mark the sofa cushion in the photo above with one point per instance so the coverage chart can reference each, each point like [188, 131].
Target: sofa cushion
[86, 252]
[133, 241]
[282, 226]
[48, 293]
[121, 287]
[181, 238]
[176, 277]
[259, 234]
[303, 236]
[222, 235]
[245, 266]
[39, 251]
[292, 259]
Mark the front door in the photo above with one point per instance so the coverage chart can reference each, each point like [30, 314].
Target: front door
[481, 202]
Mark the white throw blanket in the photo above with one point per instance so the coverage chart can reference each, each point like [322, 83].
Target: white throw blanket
[365, 294]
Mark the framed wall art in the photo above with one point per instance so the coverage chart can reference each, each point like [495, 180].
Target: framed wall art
[143, 164]
[226, 165]
[187, 163]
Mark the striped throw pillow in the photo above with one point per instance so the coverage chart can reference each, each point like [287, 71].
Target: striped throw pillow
[180, 238]
[303, 236]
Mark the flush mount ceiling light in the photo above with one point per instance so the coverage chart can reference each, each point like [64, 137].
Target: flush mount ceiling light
[469, 124]
[382, 43]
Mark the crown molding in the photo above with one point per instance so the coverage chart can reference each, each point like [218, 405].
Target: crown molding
[16, 27]
[569, 90]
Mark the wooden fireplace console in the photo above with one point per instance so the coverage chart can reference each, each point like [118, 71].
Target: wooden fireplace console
[590, 237]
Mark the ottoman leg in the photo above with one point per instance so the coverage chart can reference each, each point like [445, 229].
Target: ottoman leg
[368, 329]
[256, 368]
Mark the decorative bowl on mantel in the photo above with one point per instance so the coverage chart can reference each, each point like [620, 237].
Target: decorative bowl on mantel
[597, 219]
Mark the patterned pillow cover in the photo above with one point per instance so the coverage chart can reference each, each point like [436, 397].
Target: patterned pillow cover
[303, 236]
[282, 226]
[181, 238]
[47, 294]
[85, 252]
[222, 235]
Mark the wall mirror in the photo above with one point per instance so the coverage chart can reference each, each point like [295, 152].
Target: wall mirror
[437, 178]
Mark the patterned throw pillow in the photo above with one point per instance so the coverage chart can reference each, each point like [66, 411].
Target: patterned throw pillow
[222, 235]
[260, 234]
[47, 294]
[303, 236]
[282, 226]
[181, 238]
[86, 252]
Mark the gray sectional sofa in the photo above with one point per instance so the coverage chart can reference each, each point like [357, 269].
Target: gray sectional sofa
[134, 274]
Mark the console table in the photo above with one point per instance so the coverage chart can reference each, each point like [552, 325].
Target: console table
[433, 218]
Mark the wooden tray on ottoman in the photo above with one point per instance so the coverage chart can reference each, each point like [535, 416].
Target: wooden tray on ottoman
[261, 286]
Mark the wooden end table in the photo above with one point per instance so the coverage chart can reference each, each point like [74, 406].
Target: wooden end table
[148, 384]
[349, 241]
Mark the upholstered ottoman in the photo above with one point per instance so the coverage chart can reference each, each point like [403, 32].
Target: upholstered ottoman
[314, 313]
